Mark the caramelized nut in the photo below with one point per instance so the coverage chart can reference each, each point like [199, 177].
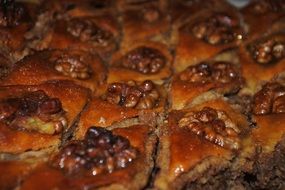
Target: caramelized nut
[212, 125]
[132, 95]
[88, 31]
[267, 51]
[33, 111]
[99, 152]
[73, 66]
[218, 72]
[217, 29]
[270, 99]
[144, 60]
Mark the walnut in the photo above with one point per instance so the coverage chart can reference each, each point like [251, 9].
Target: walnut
[72, 65]
[214, 126]
[88, 31]
[33, 111]
[265, 6]
[217, 29]
[267, 51]
[270, 99]
[132, 95]
[144, 60]
[99, 152]
[218, 72]
[11, 13]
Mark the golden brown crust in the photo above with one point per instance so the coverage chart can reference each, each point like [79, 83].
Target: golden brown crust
[81, 67]
[127, 178]
[182, 150]
[73, 98]
[191, 50]
[263, 71]
[199, 79]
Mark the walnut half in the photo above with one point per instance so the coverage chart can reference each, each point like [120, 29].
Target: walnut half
[133, 95]
[214, 126]
[270, 99]
[99, 152]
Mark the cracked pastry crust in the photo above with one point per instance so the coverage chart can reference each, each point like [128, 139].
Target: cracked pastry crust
[191, 144]
[141, 61]
[82, 67]
[132, 176]
[35, 117]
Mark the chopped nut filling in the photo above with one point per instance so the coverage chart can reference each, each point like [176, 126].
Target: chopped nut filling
[99, 152]
[132, 95]
[214, 126]
[267, 51]
[270, 99]
[73, 66]
[33, 111]
[144, 60]
[217, 29]
[87, 31]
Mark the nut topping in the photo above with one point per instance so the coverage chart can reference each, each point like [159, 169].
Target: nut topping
[144, 60]
[33, 111]
[99, 152]
[218, 72]
[132, 95]
[217, 29]
[11, 13]
[212, 125]
[267, 51]
[88, 31]
[73, 66]
[270, 99]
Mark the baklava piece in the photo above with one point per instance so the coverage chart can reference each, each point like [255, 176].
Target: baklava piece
[141, 61]
[268, 109]
[267, 12]
[146, 21]
[36, 117]
[80, 29]
[198, 145]
[205, 35]
[125, 103]
[83, 68]
[219, 76]
[101, 159]
[17, 22]
[262, 59]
